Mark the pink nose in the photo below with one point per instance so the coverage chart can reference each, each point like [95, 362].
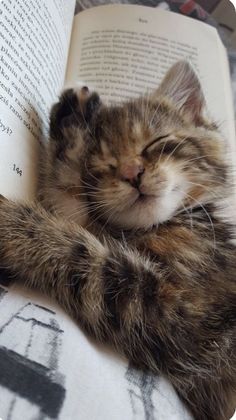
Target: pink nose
[131, 172]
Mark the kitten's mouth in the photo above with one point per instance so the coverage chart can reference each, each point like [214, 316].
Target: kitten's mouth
[144, 198]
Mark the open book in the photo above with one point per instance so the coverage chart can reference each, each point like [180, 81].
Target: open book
[119, 50]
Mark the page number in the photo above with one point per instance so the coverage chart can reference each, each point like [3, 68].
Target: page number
[19, 172]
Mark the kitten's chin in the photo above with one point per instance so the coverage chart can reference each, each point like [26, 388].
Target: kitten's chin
[146, 212]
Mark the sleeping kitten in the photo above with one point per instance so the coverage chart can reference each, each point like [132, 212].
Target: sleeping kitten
[129, 241]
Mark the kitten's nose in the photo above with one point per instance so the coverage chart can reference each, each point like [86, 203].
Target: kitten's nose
[131, 172]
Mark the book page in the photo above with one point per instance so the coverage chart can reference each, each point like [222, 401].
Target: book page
[34, 43]
[123, 51]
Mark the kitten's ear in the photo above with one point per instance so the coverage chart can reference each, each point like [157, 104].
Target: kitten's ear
[182, 86]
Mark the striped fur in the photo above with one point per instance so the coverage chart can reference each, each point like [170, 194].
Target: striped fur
[153, 275]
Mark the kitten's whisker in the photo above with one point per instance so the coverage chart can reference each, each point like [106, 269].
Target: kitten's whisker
[217, 179]
[86, 211]
[162, 151]
[89, 186]
[99, 215]
[89, 173]
[205, 188]
[107, 221]
[208, 216]
[211, 167]
[80, 186]
[199, 157]
[155, 113]
[202, 157]
[214, 194]
[146, 100]
[81, 194]
[91, 207]
[190, 215]
[81, 212]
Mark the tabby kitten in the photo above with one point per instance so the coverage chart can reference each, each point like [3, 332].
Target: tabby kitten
[130, 241]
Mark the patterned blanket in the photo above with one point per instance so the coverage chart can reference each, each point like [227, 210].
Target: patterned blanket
[50, 370]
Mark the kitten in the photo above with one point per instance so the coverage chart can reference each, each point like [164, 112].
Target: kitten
[129, 241]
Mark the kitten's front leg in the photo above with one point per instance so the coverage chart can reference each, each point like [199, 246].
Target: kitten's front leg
[107, 290]
[114, 293]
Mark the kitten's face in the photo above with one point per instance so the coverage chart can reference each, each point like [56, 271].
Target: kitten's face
[149, 159]
[146, 163]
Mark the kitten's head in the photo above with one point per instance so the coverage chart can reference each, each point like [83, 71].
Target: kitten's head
[148, 159]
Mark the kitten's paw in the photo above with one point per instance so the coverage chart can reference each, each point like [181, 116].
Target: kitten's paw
[76, 107]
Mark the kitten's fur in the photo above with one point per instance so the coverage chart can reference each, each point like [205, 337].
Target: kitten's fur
[153, 272]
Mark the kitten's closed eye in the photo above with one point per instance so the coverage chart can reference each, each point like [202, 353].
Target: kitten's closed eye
[153, 144]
